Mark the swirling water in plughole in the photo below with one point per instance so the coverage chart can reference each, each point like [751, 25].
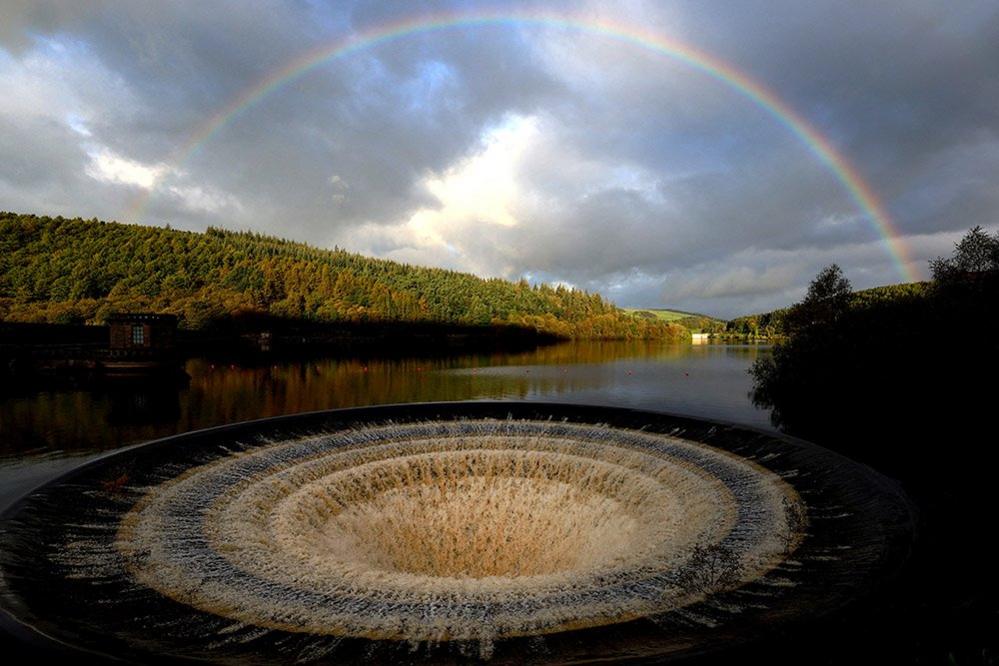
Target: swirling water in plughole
[469, 535]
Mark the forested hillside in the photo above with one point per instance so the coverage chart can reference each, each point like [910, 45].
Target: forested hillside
[774, 324]
[72, 270]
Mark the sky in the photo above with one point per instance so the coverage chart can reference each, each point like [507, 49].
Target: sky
[518, 149]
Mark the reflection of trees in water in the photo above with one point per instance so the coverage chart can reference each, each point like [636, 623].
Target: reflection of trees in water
[593, 351]
[144, 404]
[224, 393]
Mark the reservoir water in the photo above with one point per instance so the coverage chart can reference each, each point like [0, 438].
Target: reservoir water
[45, 432]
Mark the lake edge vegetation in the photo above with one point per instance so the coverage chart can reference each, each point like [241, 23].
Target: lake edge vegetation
[839, 350]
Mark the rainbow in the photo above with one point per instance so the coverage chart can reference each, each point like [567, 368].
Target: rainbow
[641, 37]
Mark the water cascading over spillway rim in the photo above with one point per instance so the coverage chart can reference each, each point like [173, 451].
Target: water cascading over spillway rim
[477, 524]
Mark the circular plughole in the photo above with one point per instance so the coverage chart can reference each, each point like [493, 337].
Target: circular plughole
[483, 527]
[461, 530]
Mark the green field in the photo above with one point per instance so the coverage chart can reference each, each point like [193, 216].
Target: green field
[663, 314]
[692, 321]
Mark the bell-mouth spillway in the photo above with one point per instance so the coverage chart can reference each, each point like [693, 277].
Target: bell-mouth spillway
[485, 529]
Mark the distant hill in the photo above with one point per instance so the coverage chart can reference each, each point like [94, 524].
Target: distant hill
[692, 321]
[61, 270]
[658, 313]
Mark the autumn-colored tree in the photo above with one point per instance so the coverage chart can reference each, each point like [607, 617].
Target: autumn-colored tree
[57, 269]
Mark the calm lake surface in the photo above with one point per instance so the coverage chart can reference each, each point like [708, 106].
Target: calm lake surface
[44, 433]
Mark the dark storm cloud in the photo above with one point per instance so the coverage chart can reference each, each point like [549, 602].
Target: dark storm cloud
[897, 85]
[611, 167]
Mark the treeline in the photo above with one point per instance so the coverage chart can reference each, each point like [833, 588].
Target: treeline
[60, 270]
[701, 323]
[915, 350]
[775, 324]
[765, 325]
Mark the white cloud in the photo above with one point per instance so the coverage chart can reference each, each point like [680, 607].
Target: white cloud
[78, 125]
[108, 166]
[340, 188]
[160, 179]
[482, 188]
[523, 182]
[496, 210]
[479, 191]
[839, 221]
[203, 199]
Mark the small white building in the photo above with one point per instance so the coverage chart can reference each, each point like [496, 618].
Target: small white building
[699, 338]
